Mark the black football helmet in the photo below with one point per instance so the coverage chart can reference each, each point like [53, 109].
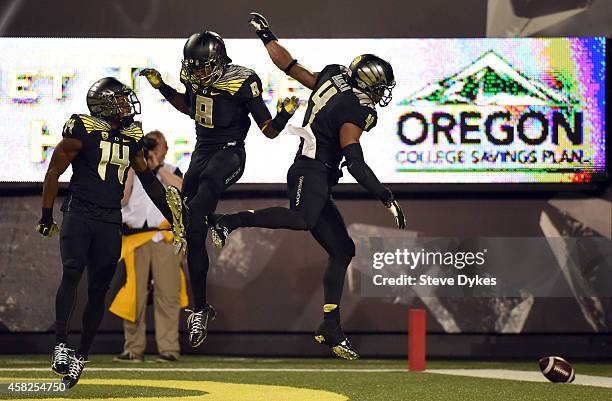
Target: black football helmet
[109, 99]
[204, 58]
[374, 76]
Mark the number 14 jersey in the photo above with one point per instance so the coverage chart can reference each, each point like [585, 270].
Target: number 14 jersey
[332, 103]
[100, 168]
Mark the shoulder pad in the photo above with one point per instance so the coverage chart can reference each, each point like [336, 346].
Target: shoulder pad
[233, 78]
[133, 131]
[364, 100]
[93, 124]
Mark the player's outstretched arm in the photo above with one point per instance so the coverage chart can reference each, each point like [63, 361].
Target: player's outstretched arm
[154, 189]
[64, 153]
[279, 55]
[271, 127]
[176, 99]
[349, 142]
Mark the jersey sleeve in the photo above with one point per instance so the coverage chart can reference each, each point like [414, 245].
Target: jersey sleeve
[251, 88]
[74, 128]
[362, 116]
[135, 133]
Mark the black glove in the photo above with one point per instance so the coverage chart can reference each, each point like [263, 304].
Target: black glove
[46, 226]
[262, 28]
[396, 210]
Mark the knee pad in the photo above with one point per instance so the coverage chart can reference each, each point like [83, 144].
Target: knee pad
[97, 292]
[71, 276]
[345, 251]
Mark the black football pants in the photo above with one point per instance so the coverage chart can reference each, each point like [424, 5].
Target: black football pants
[97, 245]
[312, 208]
[211, 171]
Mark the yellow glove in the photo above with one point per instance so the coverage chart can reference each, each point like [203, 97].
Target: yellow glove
[288, 104]
[46, 229]
[153, 76]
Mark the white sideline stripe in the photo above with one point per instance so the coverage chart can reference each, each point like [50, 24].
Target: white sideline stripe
[211, 370]
[507, 374]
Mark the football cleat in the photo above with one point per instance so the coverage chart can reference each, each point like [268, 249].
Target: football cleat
[179, 210]
[197, 324]
[77, 364]
[61, 363]
[219, 233]
[330, 333]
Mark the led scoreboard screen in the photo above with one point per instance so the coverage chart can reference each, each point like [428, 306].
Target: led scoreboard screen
[524, 110]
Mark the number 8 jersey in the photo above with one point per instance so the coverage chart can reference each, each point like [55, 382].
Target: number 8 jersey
[100, 168]
[332, 103]
[221, 111]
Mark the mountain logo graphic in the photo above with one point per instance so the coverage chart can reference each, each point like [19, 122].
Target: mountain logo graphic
[488, 81]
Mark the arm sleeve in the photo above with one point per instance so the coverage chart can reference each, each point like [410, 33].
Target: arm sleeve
[156, 191]
[74, 128]
[177, 172]
[363, 173]
[183, 78]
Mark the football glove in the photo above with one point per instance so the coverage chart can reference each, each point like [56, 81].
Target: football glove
[262, 28]
[258, 21]
[396, 210]
[46, 226]
[288, 104]
[153, 76]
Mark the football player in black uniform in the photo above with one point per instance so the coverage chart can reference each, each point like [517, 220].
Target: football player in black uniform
[219, 96]
[100, 147]
[340, 108]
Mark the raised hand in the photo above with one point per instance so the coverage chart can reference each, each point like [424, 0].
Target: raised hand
[153, 76]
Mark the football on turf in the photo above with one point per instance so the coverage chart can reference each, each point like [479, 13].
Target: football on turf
[556, 369]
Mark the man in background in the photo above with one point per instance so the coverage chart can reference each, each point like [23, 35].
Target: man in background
[148, 252]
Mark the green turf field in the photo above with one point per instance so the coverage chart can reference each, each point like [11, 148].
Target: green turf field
[250, 379]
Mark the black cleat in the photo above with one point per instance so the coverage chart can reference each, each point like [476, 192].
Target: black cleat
[77, 364]
[197, 324]
[61, 362]
[179, 210]
[219, 233]
[330, 333]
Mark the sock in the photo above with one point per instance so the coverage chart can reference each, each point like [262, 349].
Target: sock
[331, 312]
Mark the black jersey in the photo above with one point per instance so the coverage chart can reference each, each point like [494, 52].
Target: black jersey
[100, 168]
[332, 103]
[221, 112]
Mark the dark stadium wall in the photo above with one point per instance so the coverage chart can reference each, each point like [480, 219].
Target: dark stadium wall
[177, 19]
[267, 280]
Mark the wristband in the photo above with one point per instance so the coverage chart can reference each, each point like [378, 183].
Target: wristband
[47, 214]
[386, 197]
[167, 91]
[280, 120]
[291, 64]
[266, 35]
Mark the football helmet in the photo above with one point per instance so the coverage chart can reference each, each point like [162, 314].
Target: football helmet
[109, 99]
[373, 76]
[204, 58]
